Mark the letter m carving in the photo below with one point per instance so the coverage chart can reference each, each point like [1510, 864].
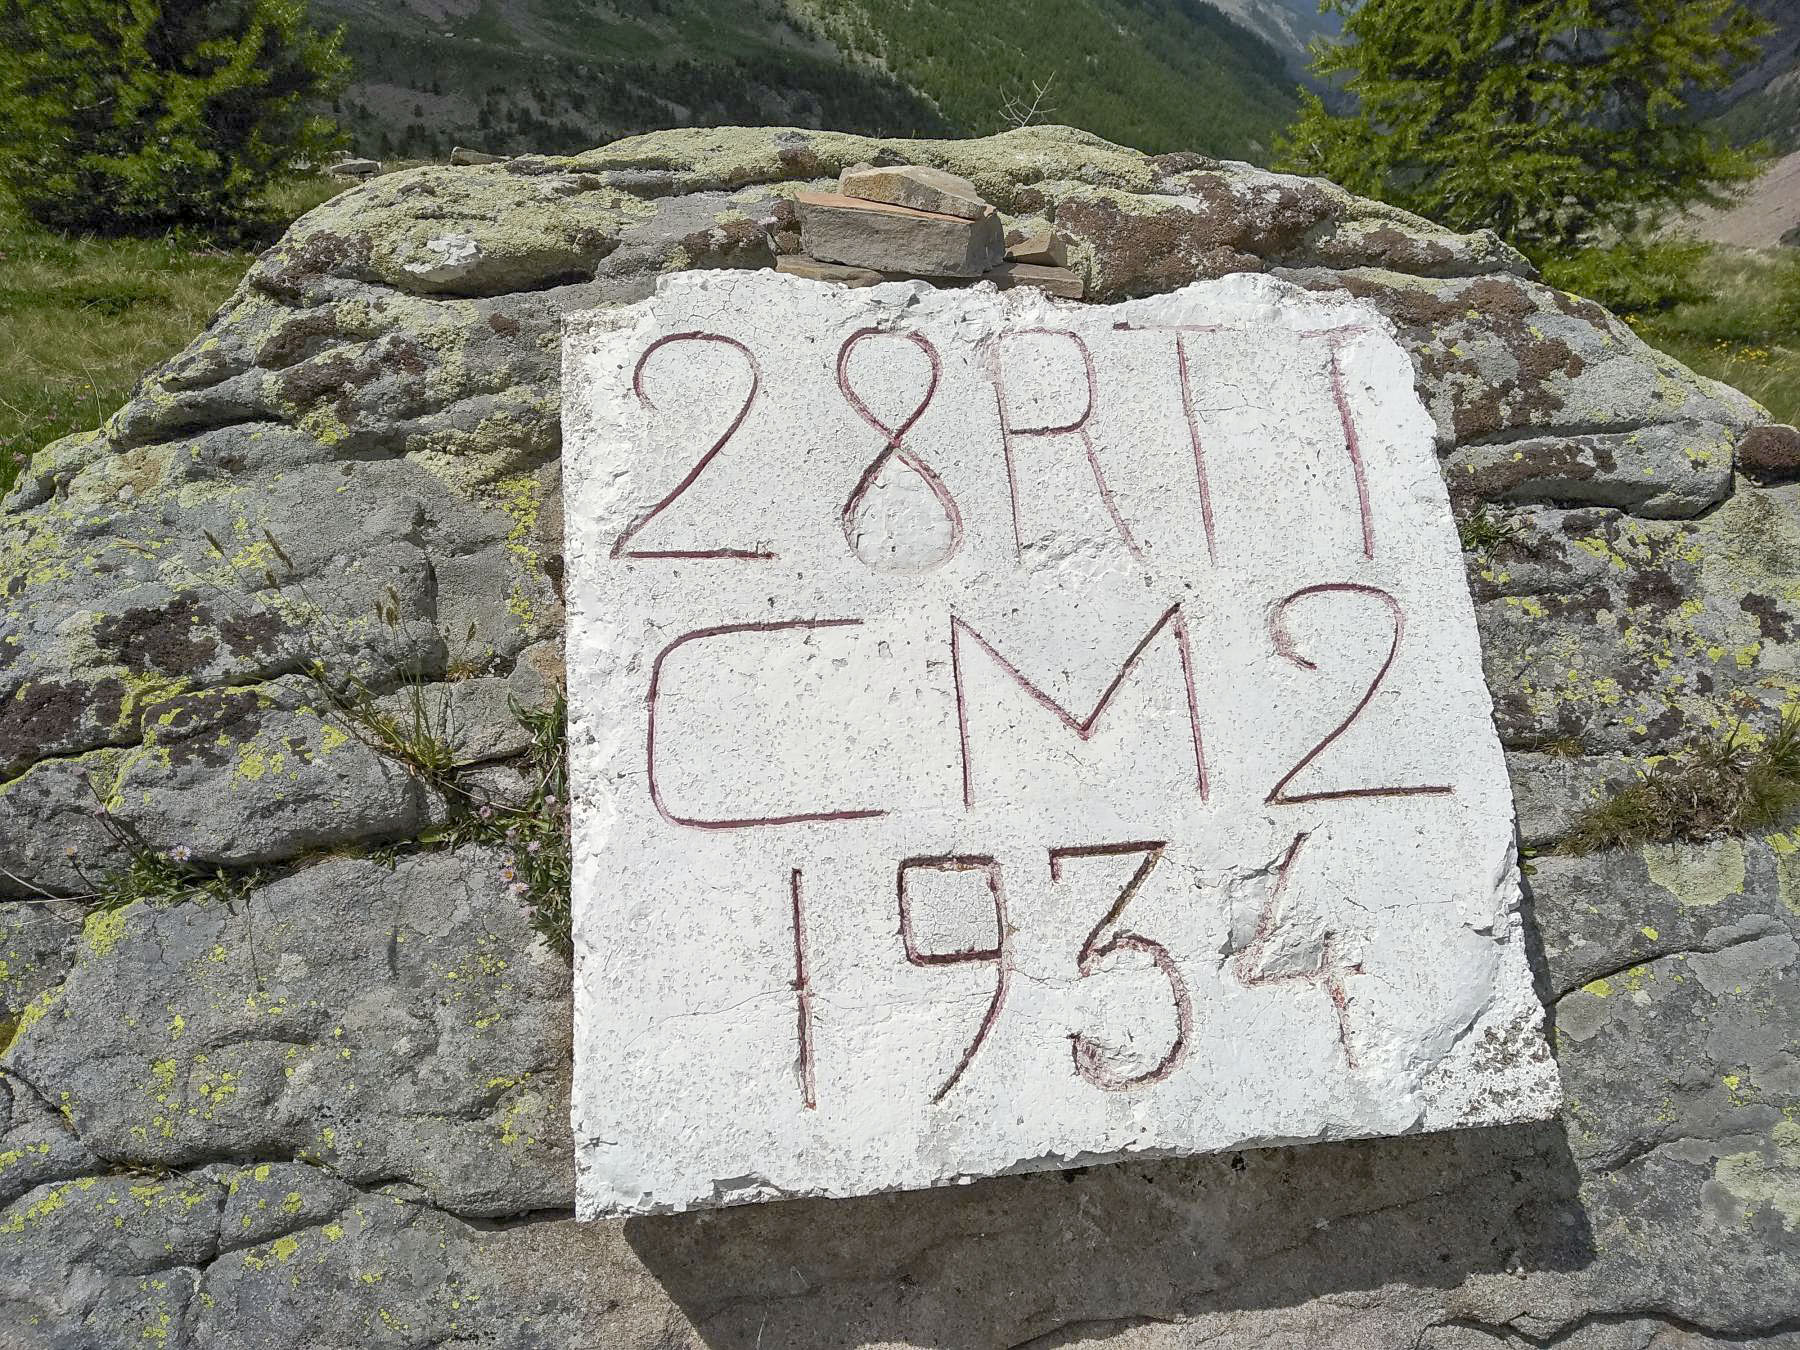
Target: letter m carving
[1174, 623]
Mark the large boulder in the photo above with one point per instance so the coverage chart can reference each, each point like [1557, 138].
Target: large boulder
[322, 1103]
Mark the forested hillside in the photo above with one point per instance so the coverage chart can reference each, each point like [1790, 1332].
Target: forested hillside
[515, 75]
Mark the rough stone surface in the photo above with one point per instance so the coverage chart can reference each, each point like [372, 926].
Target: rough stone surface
[894, 239]
[1036, 242]
[799, 265]
[810, 675]
[392, 417]
[465, 157]
[1056, 280]
[918, 186]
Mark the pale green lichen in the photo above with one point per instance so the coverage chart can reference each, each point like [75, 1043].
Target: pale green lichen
[1698, 875]
[1765, 1178]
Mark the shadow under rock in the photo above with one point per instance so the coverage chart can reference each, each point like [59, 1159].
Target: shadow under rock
[1002, 1261]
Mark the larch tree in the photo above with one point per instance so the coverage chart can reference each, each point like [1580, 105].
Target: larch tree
[1552, 122]
[132, 116]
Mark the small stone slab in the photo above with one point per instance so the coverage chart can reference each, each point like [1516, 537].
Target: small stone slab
[1008, 734]
[464, 157]
[1037, 244]
[799, 265]
[840, 229]
[1056, 280]
[355, 168]
[916, 186]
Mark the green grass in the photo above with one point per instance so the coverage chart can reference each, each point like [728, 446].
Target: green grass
[1743, 327]
[1729, 313]
[82, 318]
[1729, 783]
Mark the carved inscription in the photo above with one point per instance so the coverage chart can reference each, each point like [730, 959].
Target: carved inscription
[622, 545]
[1009, 733]
[1108, 939]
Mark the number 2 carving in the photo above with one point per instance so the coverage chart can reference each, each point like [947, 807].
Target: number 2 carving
[1285, 648]
[621, 546]
[1090, 1060]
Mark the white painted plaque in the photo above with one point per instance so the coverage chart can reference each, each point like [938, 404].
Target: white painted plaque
[1014, 734]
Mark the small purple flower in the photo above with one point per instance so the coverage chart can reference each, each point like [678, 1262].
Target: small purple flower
[512, 833]
[486, 813]
[533, 846]
[507, 874]
[180, 853]
[103, 810]
[549, 799]
[518, 890]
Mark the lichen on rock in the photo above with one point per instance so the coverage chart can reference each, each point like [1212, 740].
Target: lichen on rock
[331, 1111]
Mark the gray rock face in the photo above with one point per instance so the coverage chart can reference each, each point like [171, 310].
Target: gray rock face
[330, 1113]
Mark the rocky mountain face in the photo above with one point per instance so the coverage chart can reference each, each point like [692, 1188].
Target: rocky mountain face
[1763, 103]
[1291, 26]
[515, 75]
[326, 1105]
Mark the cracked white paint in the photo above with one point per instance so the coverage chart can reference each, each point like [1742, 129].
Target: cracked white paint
[861, 696]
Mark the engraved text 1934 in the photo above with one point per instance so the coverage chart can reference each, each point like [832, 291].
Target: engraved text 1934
[1011, 734]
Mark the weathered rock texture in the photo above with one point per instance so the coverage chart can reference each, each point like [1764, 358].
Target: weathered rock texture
[332, 1114]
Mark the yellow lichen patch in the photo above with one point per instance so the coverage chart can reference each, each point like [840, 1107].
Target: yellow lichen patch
[102, 931]
[1650, 932]
[1697, 874]
[35, 1011]
[48, 1203]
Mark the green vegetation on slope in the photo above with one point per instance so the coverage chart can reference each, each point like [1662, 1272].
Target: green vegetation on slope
[563, 75]
[81, 318]
[1159, 75]
[556, 76]
[1770, 116]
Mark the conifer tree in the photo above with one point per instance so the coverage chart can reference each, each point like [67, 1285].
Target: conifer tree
[129, 116]
[1552, 122]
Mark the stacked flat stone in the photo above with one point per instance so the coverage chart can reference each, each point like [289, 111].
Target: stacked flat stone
[916, 221]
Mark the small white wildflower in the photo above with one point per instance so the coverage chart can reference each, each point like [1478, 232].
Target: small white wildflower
[486, 813]
[533, 846]
[507, 874]
[518, 890]
[180, 853]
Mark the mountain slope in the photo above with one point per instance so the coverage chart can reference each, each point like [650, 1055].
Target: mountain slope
[1764, 102]
[1290, 26]
[515, 75]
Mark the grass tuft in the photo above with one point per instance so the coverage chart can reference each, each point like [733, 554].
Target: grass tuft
[81, 319]
[1483, 530]
[1719, 785]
